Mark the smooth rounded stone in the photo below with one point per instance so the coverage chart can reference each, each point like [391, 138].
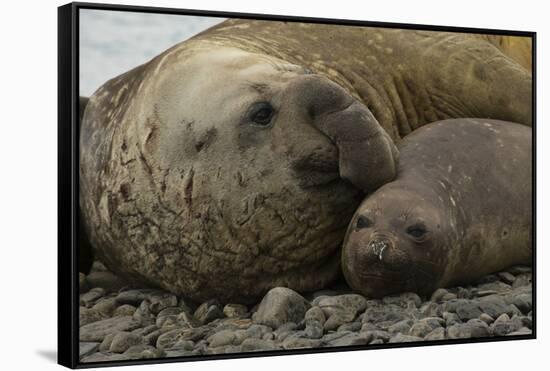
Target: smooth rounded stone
[104, 357]
[430, 309]
[504, 325]
[484, 293]
[82, 283]
[221, 338]
[420, 329]
[519, 269]
[208, 311]
[231, 324]
[376, 341]
[468, 310]
[313, 330]
[295, 342]
[400, 327]
[315, 314]
[378, 334]
[88, 315]
[497, 286]
[353, 326]
[279, 306]
[521, 331]
[268, 336]
[522, 280]
[472, 329]
[96, 331]
[495, 305]
[184, 344]
[186, 319]
[225, 349]
[282, 332]
[142, 351]
[448, 296]
[350, 303]
[168, 339]
[136, 296]
[235, 310]
[436, 334]
[87, 348]
[389, 313]
[317, 295]
[506, 277]
[524, 302]
[167, 321]
[338, 319]
[88, 298]
[106, 343]
[403, 299]
[254, 345]
[143, 314]
[400, 338]
[124, 310]
[437, 295]
[106, 280]
[351, 339]
[105, 306]
[257, 331]
[161, 302]
[462, 292]
[450, 318]
[124, 340]
[486, 318]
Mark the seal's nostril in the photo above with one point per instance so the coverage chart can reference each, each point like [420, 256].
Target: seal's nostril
[377, 247]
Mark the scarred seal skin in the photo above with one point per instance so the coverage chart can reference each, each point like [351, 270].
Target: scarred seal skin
[233, 162]
[459, 208]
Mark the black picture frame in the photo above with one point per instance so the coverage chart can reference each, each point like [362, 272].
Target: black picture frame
[68, 181]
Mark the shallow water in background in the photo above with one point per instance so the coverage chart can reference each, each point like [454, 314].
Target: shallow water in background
[113, 42]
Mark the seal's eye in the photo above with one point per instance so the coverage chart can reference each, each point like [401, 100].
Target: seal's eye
[417, 231]
[261, 113]
[363, 222]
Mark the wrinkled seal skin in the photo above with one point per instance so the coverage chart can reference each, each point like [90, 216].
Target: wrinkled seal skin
[460, 208]
[181, 189]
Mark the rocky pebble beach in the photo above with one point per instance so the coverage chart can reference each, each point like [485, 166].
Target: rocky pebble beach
[121, 322]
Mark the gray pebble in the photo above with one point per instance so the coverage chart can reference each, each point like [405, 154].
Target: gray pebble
[315, 314]
[224, 337]
[351, 339]
[279, 306]
[253, 345]
[88, 315]
[235, 310]
[507, 277]
[486, 318]
[208, 311]
[400, 327]
[104, 357]
[87, 348]
[403, 300]
[437, 295]
[91, 296]
[124, 340]
[96, 331]
[436, 334]
[124, 310]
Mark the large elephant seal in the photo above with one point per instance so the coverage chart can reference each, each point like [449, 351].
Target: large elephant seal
[233, 162]
[459, 208]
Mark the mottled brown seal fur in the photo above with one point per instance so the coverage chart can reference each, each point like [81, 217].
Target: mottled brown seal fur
[459, 209]
[217, 169]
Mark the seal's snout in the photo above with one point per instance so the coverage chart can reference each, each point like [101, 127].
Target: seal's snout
[377, 247]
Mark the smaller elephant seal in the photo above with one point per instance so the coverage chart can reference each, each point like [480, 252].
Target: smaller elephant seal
[460, 208]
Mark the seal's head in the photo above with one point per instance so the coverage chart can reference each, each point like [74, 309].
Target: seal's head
[224, 173]
[394, 244]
